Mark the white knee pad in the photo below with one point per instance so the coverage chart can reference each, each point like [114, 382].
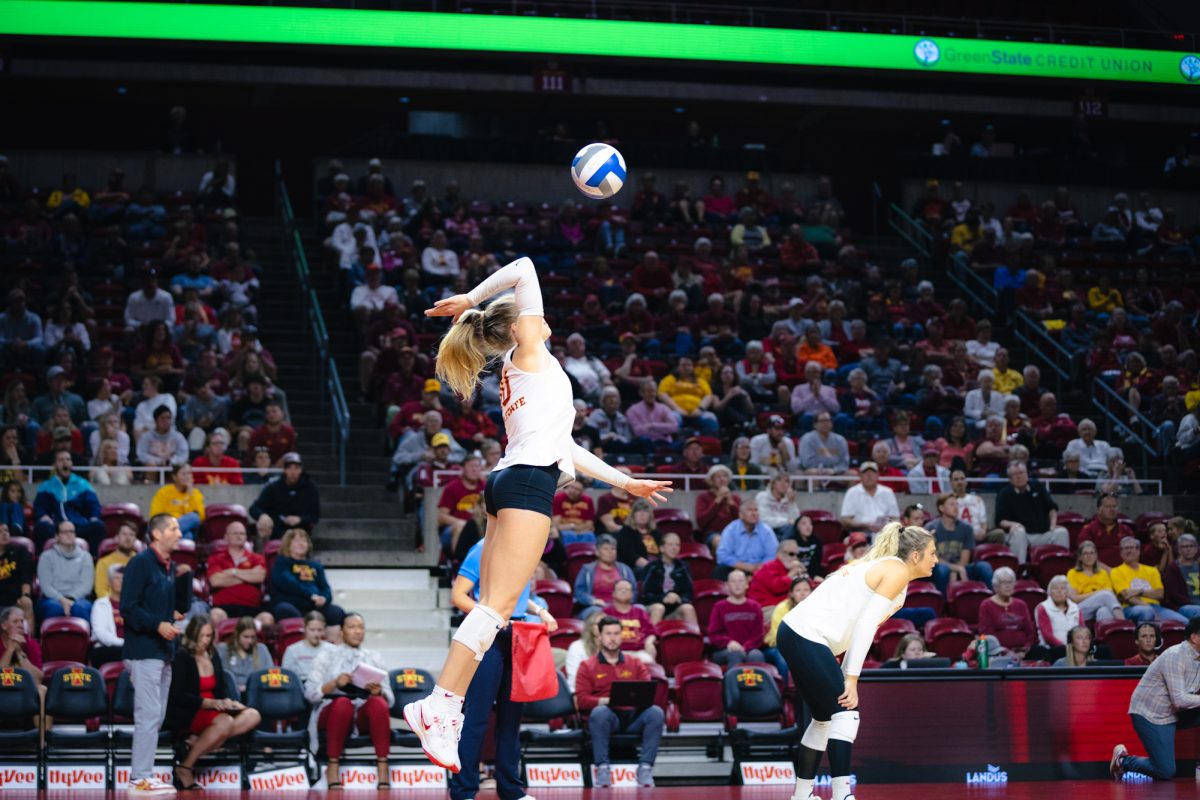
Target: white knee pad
[816, 735]
[843, 726]
[479, 630]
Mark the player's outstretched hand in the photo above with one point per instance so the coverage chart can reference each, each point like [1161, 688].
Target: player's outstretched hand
[649, 490]
[450, 307]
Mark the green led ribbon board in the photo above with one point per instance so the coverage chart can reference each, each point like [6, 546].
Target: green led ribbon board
[589, 37]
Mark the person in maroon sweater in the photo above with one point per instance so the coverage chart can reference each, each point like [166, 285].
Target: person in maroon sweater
[716, 506]
[1007, 617]
[593, 688]
[736, 627]
[638, 635]
[771, 583]
[1106, 531]
[652, 280]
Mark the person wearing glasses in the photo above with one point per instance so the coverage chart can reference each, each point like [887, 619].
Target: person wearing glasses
[770, 585]
[1139, 587]
[1181, 578]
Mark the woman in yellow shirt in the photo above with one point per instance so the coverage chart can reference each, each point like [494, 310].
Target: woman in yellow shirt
[801, 588]
[182, 500]
[688, 395]
[1091, 586]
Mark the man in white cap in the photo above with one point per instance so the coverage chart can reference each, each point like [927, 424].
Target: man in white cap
[867, 505]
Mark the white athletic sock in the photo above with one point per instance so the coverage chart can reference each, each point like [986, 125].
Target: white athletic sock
[447, 700]
[841, 787]
[803, 789]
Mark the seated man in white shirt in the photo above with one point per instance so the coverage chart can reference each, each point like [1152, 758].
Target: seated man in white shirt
[985, 401]
[868, 505]
[1092, 452]
[372, 296]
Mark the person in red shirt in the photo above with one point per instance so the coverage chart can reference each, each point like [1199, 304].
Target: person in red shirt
[1105, 531]
[1007, 617]
[276, 435]
[771, 583]
[18, 649]
[574, 514]
[796, 252]
[652, 279]
[214, 456]
[593, 689]
[1148, 641]
[736, 628]
[636, 319]
[957, 326]
[457, 502]
[638, 635]
[716, 206]
[716, 506]
[237, 576]
[614, 507]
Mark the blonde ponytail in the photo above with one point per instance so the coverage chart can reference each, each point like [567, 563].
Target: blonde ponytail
[897, 540]
[477, 337]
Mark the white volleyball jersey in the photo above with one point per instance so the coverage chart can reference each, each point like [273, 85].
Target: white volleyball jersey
[538, 416]
[829, 614]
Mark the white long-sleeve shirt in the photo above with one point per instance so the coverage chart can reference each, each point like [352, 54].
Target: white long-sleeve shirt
[104, 624]
[439, 262]
[975, 408]
[140, 309]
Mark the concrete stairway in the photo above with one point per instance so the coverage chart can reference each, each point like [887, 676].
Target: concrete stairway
[406, 614]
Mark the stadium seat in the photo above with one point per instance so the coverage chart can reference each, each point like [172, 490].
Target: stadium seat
[76, 696]
[110, 544]
[705, 595]
[1118, 636]
[751, 694]
[888, 635]
[558, 596]
[699, 693]
[115, 514]
[569, 630]
[271, 552]
[923, 594]
[565, 737]
[288, 632]
[1030, 592]
[1073, 522]
[948, 636]
[1172, 632]
[662, 691]
[278, 694]
[963, 599]
[20, 710]
[408, 685]
[185, 553]
[678, 642]
[1144, 520]
[25, 542]
[699, 559]
[65, 639]
[1048, 560]
[218, 516]
[998, 555]
[578, 554]
[683, 528]
[828, 531]
[226, 629]
[833, 555]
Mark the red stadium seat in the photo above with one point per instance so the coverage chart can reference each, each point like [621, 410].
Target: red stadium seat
[667, 513]
[569, 630]
[682, 528]
[699, 559]
[111, 672]
[706, 594]
[923, 594]
[26, 542]
[963, 599]
[662, 687]
[948, 636]
[185, 553]
[1172, 632]
[288, 632]
[833, 556]
[560, 600]
[116, 514]
[699, 692]
[271, 552]
[828, 531]
[226, 629]
[1073, 522]
[889, 635]
[218, 516]
[1145, 520]
[65, 639]
[1030, 592]
[998, 555]
[578, 554]
[679, 642]
[1048, 560]
[1117, 636]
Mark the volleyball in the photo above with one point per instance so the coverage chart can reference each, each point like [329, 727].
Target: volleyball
[598, 170]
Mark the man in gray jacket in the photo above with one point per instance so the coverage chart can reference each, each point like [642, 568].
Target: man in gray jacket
[66, 575]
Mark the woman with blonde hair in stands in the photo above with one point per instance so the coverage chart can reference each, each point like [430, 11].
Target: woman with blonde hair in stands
[583, 648]
[108, 469]
[539, 413]
[1091, 587]
[841, 617]
[1080, 650]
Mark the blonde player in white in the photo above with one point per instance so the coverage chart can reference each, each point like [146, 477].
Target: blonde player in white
[536, 401]
[841, 616]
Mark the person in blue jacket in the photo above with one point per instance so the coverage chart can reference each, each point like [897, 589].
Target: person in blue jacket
[298, 583]
[67, 496]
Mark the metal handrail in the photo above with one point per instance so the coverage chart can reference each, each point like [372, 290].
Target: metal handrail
[1035, 337]
[163, 472]
[1150, 444]
[326, 367]
[910, 231]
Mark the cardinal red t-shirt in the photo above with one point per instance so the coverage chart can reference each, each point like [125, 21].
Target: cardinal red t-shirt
[458, 499]
[240, 594]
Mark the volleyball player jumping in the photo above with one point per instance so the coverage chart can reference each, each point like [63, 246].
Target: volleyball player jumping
[536, 401]
[841, 616]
